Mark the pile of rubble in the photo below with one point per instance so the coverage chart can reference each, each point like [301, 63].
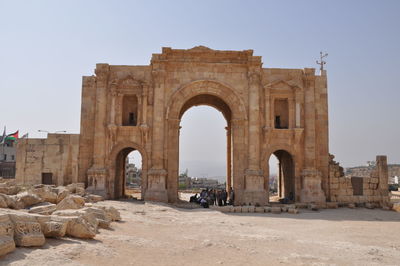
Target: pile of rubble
[29, 215]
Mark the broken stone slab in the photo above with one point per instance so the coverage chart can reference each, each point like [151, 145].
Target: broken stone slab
[351, 205]
[71, 202]
[80, 228]
[28, 198]
[7, 243]
[267, 209]
[3, 203]
[112, 212]
[92, 198]
[9, 189]
[102, 217]
[89, 217]
[45, 209]
[72, 187]
[55, 228]
[14, 203]
[27, 231]
[62, 194]
[80, 191]
[46, 194]
[293, 210]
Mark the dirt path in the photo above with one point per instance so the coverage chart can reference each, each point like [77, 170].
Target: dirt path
[157, 234]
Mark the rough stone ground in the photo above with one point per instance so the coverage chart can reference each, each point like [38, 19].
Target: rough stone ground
[158, 234]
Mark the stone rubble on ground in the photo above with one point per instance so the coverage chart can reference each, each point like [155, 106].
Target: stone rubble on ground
[30, 214]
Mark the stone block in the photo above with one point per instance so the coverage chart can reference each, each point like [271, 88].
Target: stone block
[79, 227]
[267, 209]
[293, 211]
[28, 198]
[71, 202]
[259, 209]
[238, 209]
[62, 194]
[44, 210]
[27, 231]
[55, 228]
[112, 212]
[351, 205]
[276, 210]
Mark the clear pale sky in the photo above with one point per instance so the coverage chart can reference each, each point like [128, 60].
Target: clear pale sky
[46, 46]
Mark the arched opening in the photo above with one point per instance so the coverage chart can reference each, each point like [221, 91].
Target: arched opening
[128, 174]
[205, 148]
[130, 110]
[281, 177]
[281, 113]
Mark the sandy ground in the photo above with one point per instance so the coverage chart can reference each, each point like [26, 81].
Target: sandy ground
[158, 234]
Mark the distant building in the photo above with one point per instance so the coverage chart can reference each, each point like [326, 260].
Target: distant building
[204, 183]
[7, 159]
[132, 174]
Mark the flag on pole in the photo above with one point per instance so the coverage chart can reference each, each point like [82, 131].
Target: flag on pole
[12, 136]
[25, 136]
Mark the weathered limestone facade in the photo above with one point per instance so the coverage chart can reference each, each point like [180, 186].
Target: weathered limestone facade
[53, 160]
[268, 111]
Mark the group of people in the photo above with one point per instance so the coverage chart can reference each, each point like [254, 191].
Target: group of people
[215, 197]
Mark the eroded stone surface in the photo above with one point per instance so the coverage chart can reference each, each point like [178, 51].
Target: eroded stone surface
[71, 202]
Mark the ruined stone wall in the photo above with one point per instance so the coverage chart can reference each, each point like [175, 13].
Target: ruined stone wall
[373, 189]
[58, 155]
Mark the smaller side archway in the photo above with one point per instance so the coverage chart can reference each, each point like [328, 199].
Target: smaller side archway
[284, 182]
[119, 170]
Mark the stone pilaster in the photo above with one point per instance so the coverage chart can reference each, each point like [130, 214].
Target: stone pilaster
[97, 174]
[311, 187]
[157, 175]
[254, 120]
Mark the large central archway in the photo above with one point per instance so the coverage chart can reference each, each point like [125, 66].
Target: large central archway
[117, 169]
[224, 99]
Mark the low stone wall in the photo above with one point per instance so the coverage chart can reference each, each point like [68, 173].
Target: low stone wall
[372, 189]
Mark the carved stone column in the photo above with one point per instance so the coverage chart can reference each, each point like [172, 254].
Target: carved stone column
[254, 120]
[157, 175]
[97, 174]
[254, 180]
[228, 159]
[311, 187]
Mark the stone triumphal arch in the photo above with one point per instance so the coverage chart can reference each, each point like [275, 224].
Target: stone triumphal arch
[268, 111]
